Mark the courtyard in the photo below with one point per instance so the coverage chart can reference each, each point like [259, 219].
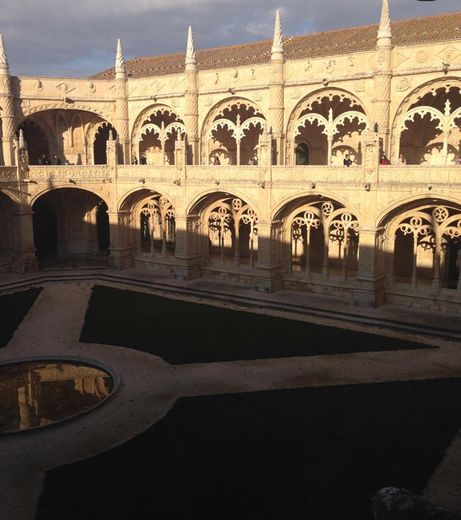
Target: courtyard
[225, 411]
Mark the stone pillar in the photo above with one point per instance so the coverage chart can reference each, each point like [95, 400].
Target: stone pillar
[24, 259]
[112, 151]
[269, 267]
[8, 119]
[269, 264]
[191, 101]
[121, 104]
[383, 78]
[369, 290]
[188, 257]
[121, 247]
[277, 92]
[370, 147]
[265, 152]
[180, 156]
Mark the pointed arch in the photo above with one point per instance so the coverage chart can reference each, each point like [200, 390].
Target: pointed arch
[425, 129]
[231, 131]
[330, 121]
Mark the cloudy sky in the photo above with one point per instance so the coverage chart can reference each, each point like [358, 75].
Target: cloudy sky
[78, 37]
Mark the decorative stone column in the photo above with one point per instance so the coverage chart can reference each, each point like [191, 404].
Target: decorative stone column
[24, 259]
[369, 289]
[269, 267]
[383, 78]
[191, 100]
[121, 246]
[121, 104]
[188, 257]
[370, 147]
[277, 91]
[7, 104]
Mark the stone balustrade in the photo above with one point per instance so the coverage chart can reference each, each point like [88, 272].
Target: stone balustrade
[417, 174]
[8, 173]
[281, 175]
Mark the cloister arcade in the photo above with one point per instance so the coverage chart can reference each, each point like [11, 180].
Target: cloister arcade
[132, 183]
[74, 136]
[428, 131]
[151, 226]
[154, 136]
[231, 133]
[319, 239]
[228, 231]
[422, 246]
[324, 127]
[70, 225]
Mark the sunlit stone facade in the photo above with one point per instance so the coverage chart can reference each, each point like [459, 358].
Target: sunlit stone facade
[231, 163]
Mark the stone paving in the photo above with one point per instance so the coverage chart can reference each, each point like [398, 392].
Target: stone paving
[149, 387]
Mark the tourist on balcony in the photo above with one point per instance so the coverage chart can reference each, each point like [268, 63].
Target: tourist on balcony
[402, 160]
[134, 159]
[347, 161]
[56, 160]
[216, 160]
[384, 160]
[143, 159]
[44, 159]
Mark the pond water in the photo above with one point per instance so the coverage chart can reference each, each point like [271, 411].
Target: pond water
[35, 394]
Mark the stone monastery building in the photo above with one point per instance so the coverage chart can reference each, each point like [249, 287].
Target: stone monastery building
[265, 164]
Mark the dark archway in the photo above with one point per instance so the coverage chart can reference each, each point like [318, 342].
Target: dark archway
[71, 228]
[8, 231]
[45, 230]
[100, 142]
[302, 154]
[37, 142]
[102, 224]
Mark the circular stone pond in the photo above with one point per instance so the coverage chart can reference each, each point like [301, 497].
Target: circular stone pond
[37, 393]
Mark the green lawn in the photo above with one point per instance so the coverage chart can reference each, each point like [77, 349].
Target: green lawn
[182, 332]
[13, 309]
[318, 453]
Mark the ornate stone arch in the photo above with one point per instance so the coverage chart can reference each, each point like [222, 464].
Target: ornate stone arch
[317, 234]
[166, 130]
[55, 187]
[194, 206]
[340, 108]
[280, 209]
[409, 107]
[242, 119]
[126, 200]
[226, 229]
[61, 105]
[67, 130]
[422, 241]
[146, 113]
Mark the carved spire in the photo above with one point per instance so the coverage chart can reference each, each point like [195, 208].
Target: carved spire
[277, 45]
[3, 58]
[384, 30]
[190, 55]
[119, 60]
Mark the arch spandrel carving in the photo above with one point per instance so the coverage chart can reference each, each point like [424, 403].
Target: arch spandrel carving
[61, 105]
[331, 122]
[307, 102]
[150, 111]
[233, 126]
